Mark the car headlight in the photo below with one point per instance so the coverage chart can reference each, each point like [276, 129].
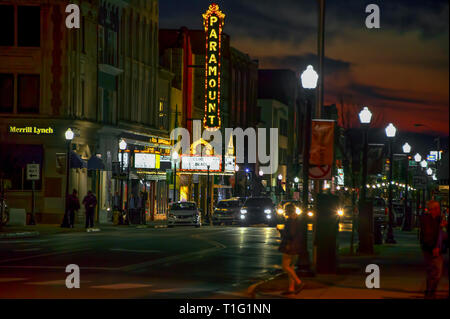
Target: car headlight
[340, 212]
[267, 211]
[298, 211]
[280, 211]
[242, 216]
[243, 211]
[310, 214]
[268, 216]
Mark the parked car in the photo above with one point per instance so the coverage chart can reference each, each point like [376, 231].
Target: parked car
[380, 211]
[258, 210]
[184, 213]
[227, 211]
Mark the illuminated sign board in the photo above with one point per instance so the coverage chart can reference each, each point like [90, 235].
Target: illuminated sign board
[200, 163]
[213, 21]
[340, 176]
[146, 160]
[30, 130]
[125, 159]
[230, 163]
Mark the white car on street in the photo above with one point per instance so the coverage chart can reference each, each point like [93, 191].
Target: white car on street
[184, 213]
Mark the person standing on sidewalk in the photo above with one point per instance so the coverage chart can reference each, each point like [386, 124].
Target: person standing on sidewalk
[89, 202]
[73, 204]
[289, 246]
[432, 244]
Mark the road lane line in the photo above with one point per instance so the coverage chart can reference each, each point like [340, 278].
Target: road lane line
[41, 255]
[170, 259]
[135, 250]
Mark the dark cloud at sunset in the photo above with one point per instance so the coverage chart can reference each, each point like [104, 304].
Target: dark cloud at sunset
[400, 70]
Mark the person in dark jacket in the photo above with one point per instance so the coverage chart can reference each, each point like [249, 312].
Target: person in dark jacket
[89, 202]
[73, 204]
[431, 240]
[290, 246]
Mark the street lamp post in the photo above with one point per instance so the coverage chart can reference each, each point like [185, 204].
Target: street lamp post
[246, 181]
[69, 135]
[390, 133]
[122, 148]
[308, 79]
[208, 199]
[407, 224]
[175, 160]
[365, 117]
[417, 159]
[236, 170]
[280, 178]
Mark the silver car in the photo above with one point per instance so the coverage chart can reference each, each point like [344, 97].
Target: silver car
[227, 211]
[184, 213]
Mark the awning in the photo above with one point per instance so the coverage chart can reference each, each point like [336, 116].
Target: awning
[76, 161]
[95, 163]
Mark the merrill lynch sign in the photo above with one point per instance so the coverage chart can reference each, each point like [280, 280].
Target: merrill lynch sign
[30, 130]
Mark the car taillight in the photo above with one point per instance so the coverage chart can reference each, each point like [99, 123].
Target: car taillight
[385, 211]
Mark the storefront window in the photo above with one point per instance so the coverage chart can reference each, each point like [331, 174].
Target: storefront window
[13, 163]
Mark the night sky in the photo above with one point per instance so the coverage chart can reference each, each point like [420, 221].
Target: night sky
[399, 71]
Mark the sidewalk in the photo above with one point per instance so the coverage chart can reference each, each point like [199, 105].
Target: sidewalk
[402, 275]
[8, 232]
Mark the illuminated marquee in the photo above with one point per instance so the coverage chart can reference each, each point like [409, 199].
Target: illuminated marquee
[213, 21]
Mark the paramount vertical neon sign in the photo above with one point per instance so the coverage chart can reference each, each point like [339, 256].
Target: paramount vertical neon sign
[213, 21]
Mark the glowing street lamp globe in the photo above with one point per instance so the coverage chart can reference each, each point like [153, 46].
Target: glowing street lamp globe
[365, 116]
[69, 134]
[122, 145]
[236, 168]
[280, 177]
[406, 148]
[296, 180]
[175, 156]
[309, 78]
[390, 130]
[429, 172]
[424, 164]
[417, 157]
[261, 173]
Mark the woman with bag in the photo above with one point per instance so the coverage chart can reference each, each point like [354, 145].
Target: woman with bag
[289, 248]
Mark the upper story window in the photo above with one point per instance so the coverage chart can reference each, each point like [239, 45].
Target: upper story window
[27, 89]
[26, 20]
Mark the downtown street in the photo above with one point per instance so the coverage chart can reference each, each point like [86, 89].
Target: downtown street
[129, 262]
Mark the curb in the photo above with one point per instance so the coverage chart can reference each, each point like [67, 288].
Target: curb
[253, 289]
[20, 235]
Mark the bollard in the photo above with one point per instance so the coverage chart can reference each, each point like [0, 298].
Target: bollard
[327, 226]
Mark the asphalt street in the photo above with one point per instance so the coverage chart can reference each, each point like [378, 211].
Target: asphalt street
[184, 262]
